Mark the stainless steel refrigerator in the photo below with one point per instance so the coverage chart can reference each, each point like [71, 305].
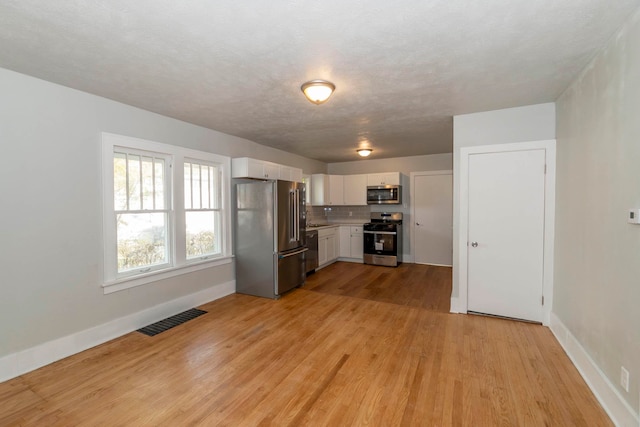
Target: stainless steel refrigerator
[269, 237]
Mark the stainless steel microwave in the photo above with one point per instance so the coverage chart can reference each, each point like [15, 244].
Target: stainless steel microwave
[384, 195]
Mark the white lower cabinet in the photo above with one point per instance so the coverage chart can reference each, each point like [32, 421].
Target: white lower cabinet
[328, 246]
[345, 241]
[357, 243]
[351, 243]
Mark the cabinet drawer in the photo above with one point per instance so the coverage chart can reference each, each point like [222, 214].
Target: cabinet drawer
[324, 232]
[356, 229]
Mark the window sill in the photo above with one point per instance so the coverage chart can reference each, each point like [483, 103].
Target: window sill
[154, 276]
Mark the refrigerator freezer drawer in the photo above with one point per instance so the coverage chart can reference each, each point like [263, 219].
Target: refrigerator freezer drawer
[291, 270]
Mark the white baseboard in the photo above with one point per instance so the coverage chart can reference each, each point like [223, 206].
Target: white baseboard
[620, 412]
[455, 306]
[354, 260]
[24, 361]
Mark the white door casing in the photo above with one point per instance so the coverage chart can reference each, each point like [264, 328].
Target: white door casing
[506, 233]
[460, 301]
[432, 225]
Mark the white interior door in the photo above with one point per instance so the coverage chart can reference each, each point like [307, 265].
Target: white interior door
[506, 233]
[433, 218]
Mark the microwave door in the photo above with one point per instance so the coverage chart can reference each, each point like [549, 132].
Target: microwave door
[383, 195]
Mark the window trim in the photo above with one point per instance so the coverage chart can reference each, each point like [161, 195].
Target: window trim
[178, 263]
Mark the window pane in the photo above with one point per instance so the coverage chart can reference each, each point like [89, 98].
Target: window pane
[147, 183]
[195, 181]
[159, 165]
[141, 240]
[202, 236]
[187, 185]
[215, 188]
[134, 182]
[205, 187]
[120, 181]
[213, 171]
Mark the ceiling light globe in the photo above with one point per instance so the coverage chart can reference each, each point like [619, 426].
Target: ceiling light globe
[364, 152]
[318, 91]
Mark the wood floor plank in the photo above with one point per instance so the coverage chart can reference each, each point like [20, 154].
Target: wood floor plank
[357, 345]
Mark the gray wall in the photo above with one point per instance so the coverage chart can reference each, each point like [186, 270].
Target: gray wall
[530, 123]
[50, 228]
[597, 253]
[404, 165]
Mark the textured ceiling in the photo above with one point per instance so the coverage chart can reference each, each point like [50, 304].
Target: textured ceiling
[402, 68]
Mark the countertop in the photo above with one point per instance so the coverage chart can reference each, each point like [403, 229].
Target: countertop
[321, 226]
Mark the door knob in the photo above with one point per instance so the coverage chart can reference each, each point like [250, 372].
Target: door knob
[474, 244]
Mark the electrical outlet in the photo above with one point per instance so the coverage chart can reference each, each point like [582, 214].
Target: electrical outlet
[624, 379]
[350, 213]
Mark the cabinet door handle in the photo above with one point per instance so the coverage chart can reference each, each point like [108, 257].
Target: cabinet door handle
[474, 244]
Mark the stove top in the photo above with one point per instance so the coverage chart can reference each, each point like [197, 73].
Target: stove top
[386, 217]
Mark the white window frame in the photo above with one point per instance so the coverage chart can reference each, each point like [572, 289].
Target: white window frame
[178, 263]
[219, 209]
[167, 210]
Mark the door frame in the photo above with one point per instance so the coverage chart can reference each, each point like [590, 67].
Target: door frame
[412, 193]
[549, 146]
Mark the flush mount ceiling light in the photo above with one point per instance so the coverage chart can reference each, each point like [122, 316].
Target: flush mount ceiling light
[364, 152]
[318, 91]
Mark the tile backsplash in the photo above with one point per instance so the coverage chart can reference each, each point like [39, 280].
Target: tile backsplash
[338, 214]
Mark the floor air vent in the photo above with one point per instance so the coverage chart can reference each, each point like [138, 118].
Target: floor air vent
[170, 322]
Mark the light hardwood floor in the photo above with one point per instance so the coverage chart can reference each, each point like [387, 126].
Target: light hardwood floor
[316, 357]
[415, 285]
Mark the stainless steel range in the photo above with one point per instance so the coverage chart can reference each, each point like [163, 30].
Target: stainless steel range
[383, 239]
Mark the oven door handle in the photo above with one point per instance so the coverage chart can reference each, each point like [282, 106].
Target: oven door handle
[379, 232]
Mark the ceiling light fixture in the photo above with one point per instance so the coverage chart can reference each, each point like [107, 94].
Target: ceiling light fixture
[364, 152]
[318, 91]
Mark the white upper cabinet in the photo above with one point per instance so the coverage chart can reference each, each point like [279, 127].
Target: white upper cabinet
[296, 175]
[326, 190]
[245, 167]
[284, 172]
[349, 190]
[271, 170]
[306, 179]
[336, 190]
[355, 190]
[289, 173]
[319, 189]
[388, 178]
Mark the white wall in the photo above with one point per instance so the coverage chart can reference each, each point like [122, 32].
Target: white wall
[404, 165]
[597, 253]
[529, 123]
[50, 225]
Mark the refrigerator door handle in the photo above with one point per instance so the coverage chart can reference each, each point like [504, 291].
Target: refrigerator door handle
[297, 217]
[294, 199]
[293, 253]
